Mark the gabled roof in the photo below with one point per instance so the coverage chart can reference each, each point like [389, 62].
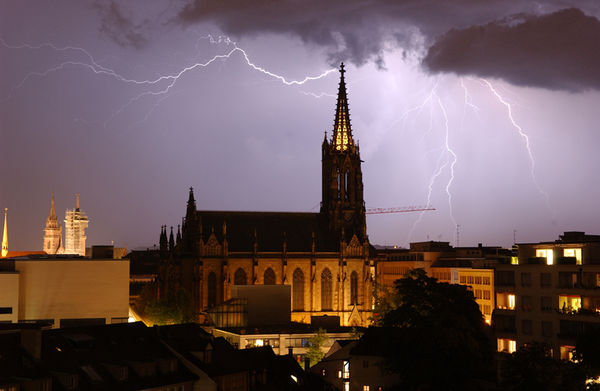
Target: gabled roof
[269, 230]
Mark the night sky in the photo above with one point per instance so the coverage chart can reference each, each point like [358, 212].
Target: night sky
[130, 103]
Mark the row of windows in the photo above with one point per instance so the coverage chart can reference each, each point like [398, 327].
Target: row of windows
[475, 280]
[481, 294]
[240, 278]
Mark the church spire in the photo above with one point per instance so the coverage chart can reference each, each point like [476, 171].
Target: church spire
[5, 236]
[342, 131]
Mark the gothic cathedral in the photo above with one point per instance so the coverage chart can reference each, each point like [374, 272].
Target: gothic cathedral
[325, 257]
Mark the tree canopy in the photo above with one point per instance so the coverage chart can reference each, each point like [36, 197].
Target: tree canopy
[438, 337]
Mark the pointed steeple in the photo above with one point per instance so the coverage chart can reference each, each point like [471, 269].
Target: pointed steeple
[52, 220]
[163, 242]
[178, 238]
[5, 236]
[171, 240]
[342, 131]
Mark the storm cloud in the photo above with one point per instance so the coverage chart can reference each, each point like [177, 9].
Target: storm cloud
[524, 42]
[556, 51]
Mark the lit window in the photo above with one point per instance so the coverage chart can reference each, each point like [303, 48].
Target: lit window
[346, 370]
[566, 352]
[365, 388]
[347, 386]
[569, 303]
[545, 253]
[511, 302]
[259, 342]
[505, 301]
[507, 345]
[573, 252]
[514, 260]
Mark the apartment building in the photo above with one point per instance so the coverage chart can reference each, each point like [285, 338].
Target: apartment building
[550, 293]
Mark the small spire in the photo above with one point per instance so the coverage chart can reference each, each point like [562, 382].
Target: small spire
[76, 201]
[5, 235]
[171, 240]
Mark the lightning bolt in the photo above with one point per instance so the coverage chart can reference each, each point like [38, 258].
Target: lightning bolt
[163, 82]
[526, 142]
[447, 153]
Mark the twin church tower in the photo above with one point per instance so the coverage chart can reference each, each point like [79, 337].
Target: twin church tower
[75, 221]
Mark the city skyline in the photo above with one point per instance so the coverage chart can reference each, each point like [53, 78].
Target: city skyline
[130, 105]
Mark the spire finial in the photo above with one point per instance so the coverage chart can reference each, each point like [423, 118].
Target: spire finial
[5, 236]
[77, 201]
[342, 70]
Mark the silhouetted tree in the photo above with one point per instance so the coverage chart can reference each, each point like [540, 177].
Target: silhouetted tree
[314, 353]
[438, 338]
[532, 368]
[587, 352]
[176, 308]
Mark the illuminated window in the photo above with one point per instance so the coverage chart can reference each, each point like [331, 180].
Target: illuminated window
[346, 370]
[566, 352]
[354, 288]
[324, 372]
[573, 252]
[212, 289]
[347, 386]
[507, 345]
[269, 277]
[514, 260]
[259, 342]
[298, 290]
[545, 253]
[239, 278]
[366, 388]
[326, 290]
[505, 301]
[569, 303]
[511, 302]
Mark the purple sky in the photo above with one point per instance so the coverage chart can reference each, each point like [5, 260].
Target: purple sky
[85, 107]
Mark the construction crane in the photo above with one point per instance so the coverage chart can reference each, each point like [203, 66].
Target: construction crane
[374, 211]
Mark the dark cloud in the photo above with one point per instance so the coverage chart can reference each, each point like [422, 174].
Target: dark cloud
[556, 51]
[120, 27]
[352, 30]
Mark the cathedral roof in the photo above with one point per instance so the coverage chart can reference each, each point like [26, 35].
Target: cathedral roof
[270, 229]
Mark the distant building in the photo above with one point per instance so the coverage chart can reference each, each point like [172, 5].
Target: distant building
[64, 291]
[325, 257]
[53, 233]
[76, 221]
[549, 293]
[469, 266]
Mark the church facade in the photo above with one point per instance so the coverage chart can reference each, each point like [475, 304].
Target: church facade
[325, 257]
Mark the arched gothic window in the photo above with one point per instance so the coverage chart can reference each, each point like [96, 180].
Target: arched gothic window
[354, 288]
[326, 291]
[298, 290]
[346, 178]
[239, 278]
[269, 277]
[212, 289]
[339, 182]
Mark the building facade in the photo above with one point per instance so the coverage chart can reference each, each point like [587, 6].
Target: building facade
[64, 291]
[324, 256]
[550, 293]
